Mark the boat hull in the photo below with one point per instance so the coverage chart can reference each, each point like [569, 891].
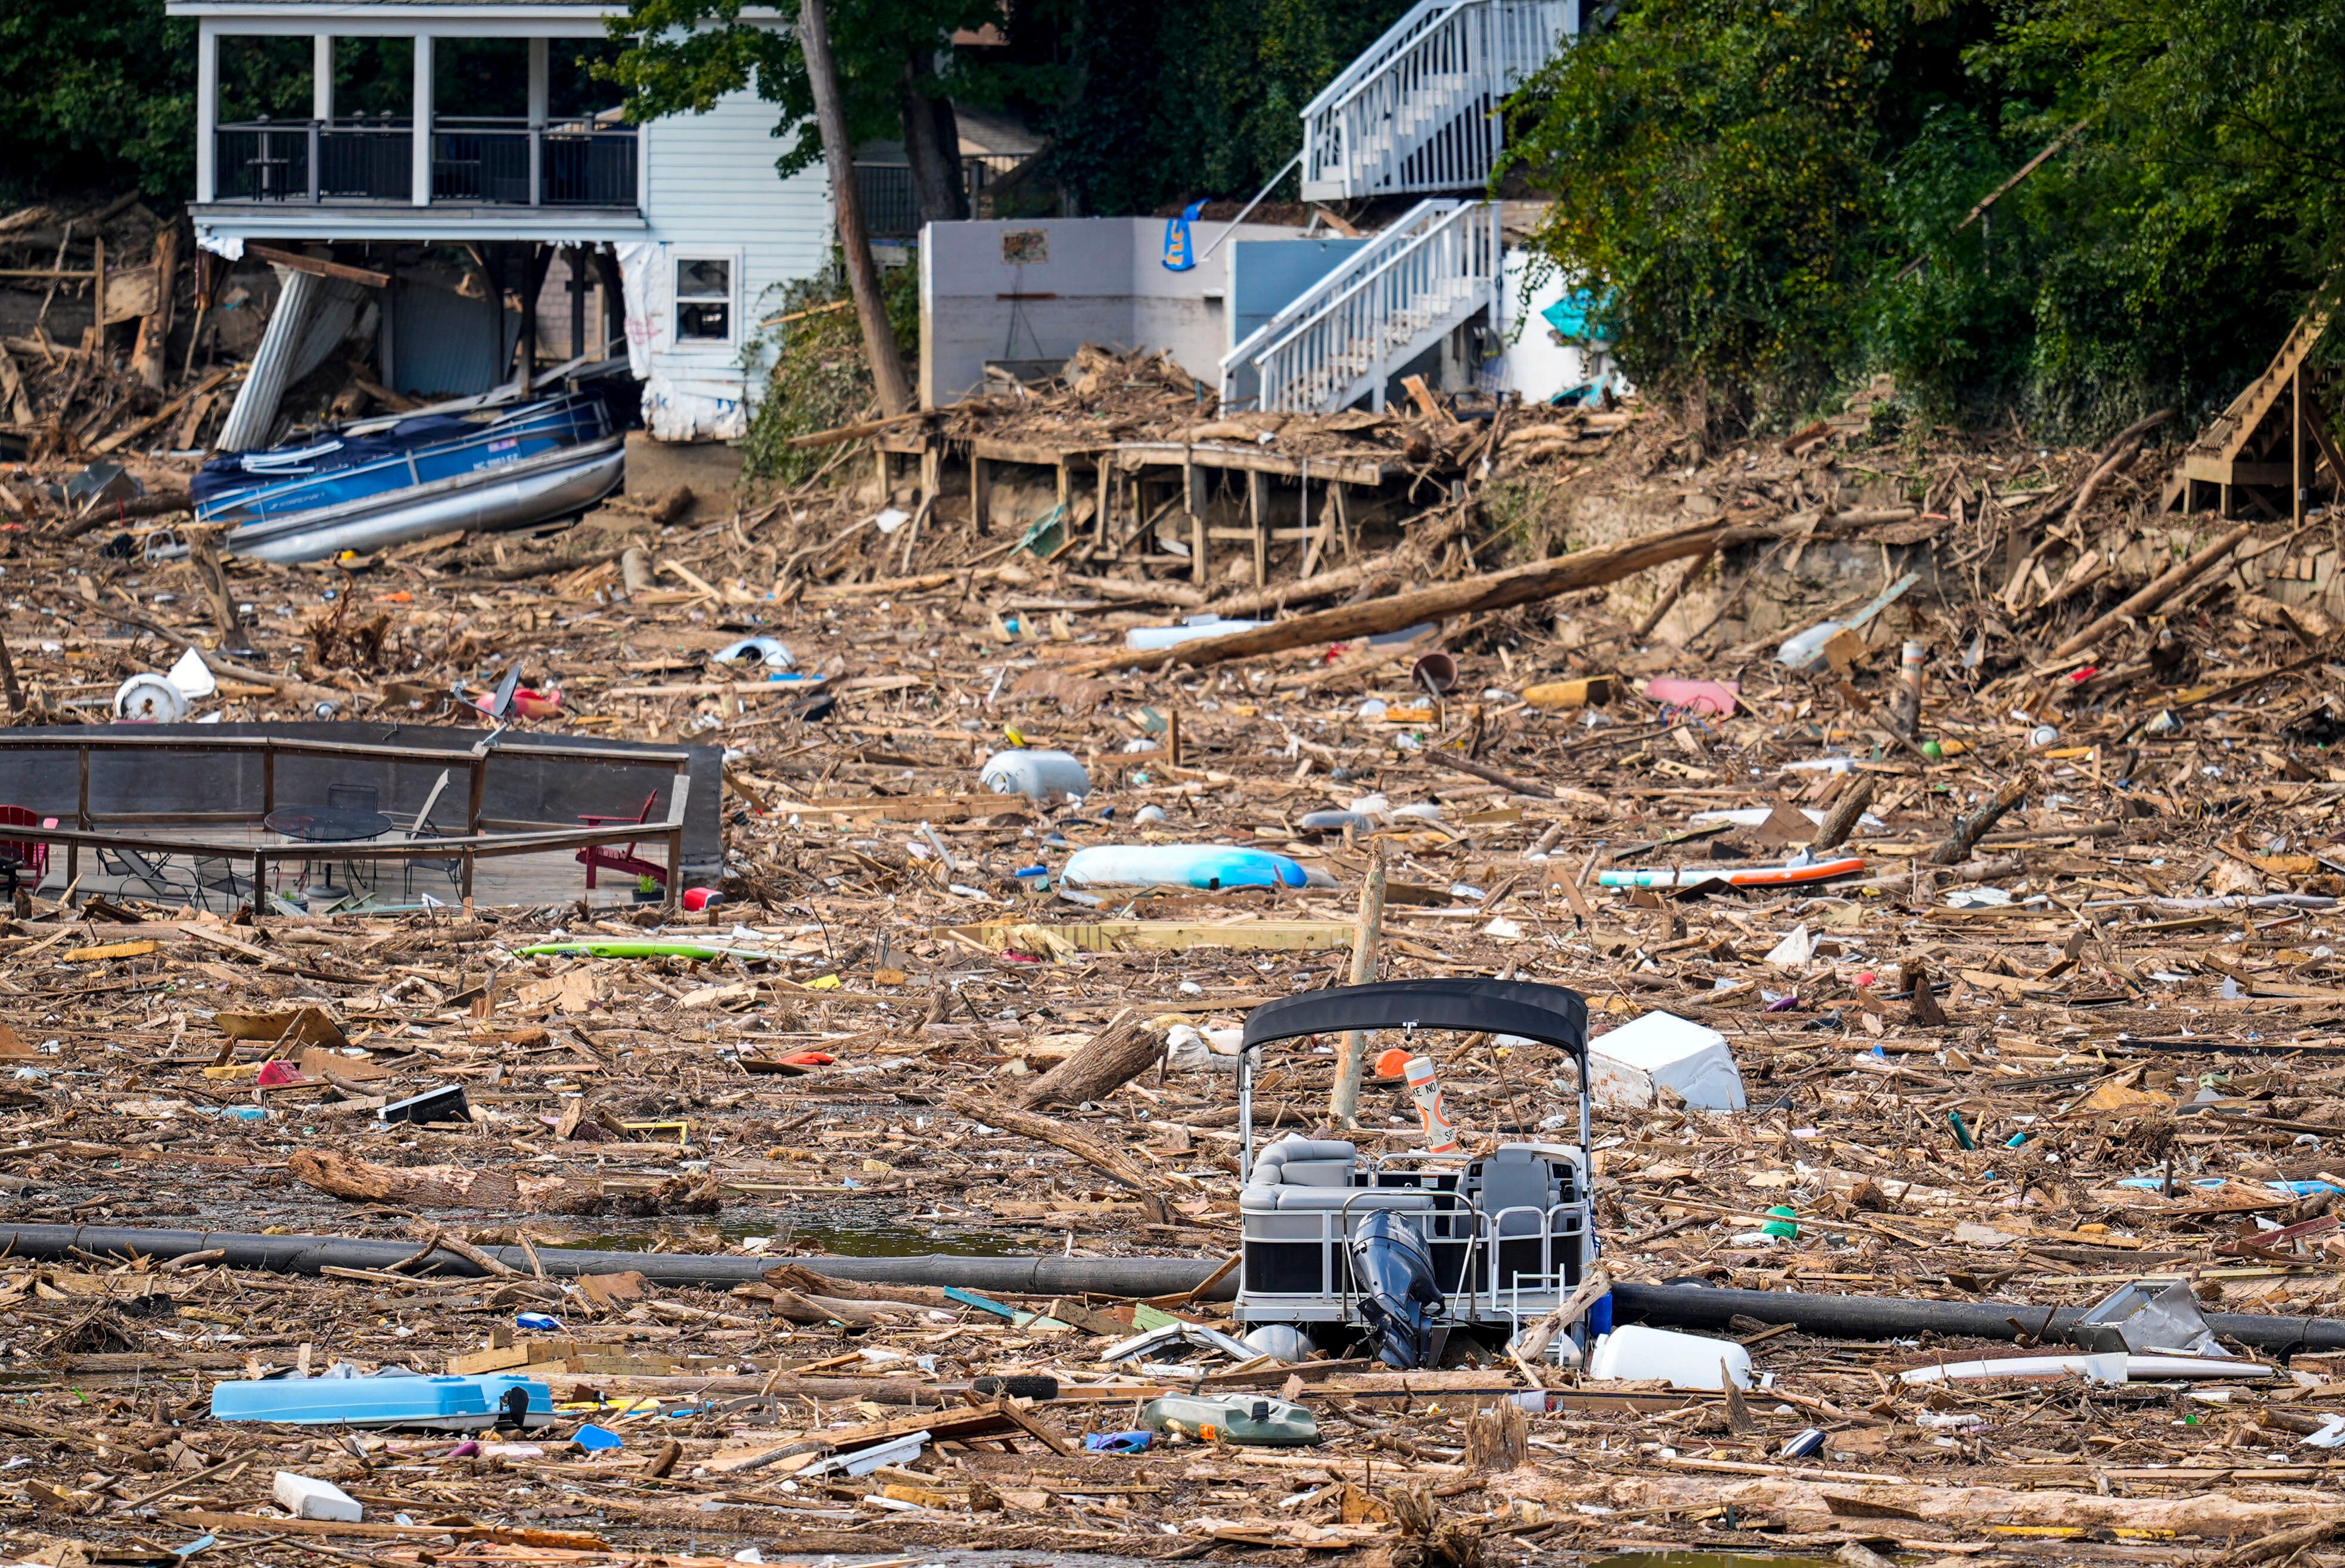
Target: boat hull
[514, 495]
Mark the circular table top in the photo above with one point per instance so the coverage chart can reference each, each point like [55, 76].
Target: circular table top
[327, 824]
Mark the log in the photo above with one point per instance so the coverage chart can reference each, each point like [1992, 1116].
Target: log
[2163, 587]
[1475, 595]
[360, 1181]
[1845, 813]
[1117, 1054]
[1489, 774]
[1083, 1146]
[1969, 830]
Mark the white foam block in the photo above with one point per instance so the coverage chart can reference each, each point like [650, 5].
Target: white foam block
[1629, 1067]
[307, 1497]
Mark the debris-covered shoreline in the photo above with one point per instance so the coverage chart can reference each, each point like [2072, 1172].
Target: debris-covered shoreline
[2069, 1025]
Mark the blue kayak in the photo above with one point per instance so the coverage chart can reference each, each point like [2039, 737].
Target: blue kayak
[444, 1403]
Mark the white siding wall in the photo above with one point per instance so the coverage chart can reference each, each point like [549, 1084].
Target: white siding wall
[711, 191]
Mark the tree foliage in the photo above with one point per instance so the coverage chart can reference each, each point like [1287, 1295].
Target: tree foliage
[1169, 102]
[1781, 201]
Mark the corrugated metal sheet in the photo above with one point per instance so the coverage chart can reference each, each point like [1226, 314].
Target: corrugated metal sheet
[446, 344]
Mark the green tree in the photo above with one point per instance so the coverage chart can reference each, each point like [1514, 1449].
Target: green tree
[100, 95]
[1719, 173]
[1170, 103]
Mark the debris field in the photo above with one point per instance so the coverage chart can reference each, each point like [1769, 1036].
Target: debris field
[2072, 1021]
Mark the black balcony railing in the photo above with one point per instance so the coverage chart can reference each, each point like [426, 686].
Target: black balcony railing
[473, 162]
[890, 208]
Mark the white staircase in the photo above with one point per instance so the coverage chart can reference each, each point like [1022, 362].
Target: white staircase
[1418, 112]
[1399, 294]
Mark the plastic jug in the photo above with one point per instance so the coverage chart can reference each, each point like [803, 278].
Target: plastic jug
[1036, 774]
[1246, 1419]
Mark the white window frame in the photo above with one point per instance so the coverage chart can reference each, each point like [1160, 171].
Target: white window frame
[681, 256]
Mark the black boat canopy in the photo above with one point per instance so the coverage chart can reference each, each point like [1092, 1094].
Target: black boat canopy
[1546, 1013]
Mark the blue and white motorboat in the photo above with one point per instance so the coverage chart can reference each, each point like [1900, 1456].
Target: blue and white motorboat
[493, 469]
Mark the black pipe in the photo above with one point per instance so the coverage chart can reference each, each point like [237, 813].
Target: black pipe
[1884, 1318]
[1048, 1274]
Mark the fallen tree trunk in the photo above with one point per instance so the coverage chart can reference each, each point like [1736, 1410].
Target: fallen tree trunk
[1117, 1054]
[1475, 595]
[1083, 1146]
[2163, 587]
[468, 1187]
[1835, 1499]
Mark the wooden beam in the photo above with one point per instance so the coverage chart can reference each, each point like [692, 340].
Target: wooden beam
[296, 261]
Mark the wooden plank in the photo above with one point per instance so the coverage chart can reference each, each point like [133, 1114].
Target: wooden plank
[298, 262]
[1134, 455]
[1167, 935]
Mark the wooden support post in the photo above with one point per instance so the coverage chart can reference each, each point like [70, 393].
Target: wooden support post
[1192, 496]
[1343, 517]
[675, 871]
[931, 474]
[1258, 508]
[981, 492]
[1344, 1096]
[2296, 446]
[147, 359]
[1105, 504]
[97, 298]
[885, 469]
[1173, 736]
[476, 798]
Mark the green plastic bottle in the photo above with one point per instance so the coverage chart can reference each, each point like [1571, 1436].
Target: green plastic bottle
[1784, 1222]
[1247, 1420]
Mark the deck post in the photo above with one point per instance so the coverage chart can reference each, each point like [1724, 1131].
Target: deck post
[539, 96]
[1192, 496]
[420, 187]
[2296, 446]
[207, 110]
[1258, 508]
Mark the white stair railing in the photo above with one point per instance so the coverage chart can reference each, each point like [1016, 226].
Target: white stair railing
[1391, 300]
[1419, 111]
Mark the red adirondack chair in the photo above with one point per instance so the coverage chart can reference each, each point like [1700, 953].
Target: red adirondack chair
[597, 858]
[29, 854]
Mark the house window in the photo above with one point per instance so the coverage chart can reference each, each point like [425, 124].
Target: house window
[704, 299]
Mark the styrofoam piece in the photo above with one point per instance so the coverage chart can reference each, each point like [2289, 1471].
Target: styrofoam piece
[1037, 774]
[1628, 1067]
[1149, 637]
[307, 1497]
[2106, 1367]
[193, 676]
[1684, 1361]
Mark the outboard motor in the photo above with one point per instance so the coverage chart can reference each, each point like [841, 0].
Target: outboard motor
[1393, 1269]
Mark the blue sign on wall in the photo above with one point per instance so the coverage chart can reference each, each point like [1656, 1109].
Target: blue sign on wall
[1180, 245]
